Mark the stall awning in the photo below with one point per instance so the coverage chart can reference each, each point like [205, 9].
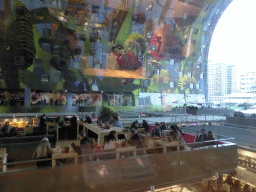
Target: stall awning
[113, 73]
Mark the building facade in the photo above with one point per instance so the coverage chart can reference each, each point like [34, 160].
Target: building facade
[248, 82]
[221, 81]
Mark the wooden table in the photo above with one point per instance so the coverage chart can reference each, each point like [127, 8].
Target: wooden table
[125, 149]
[3, 159]
[166, 144]
[101, 132]
[57, 155]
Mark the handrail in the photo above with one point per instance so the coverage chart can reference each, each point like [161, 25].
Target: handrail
[115, 152]
[191, 181]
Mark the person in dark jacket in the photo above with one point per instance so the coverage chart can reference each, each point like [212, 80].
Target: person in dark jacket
[62, 127]
[84, 140]
[162, 126]
[135, 125]
[145, 125]
[136, 139]
[42, 123]
[84, 148]
[72, 130]
[202, 137]
[156, 132]
[5, 128]
[177, 128]
[88, 119]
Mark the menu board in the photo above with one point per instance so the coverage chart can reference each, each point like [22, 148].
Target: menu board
[44, 98]
[119, 99]
[87, 99]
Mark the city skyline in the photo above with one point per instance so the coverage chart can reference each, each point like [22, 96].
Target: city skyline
[235, 33]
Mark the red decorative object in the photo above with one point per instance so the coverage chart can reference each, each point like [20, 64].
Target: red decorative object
[128, 61]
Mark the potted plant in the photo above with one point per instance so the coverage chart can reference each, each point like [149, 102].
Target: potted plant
[105, 114]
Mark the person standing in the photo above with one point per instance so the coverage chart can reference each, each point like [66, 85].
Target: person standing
[42, 123]
[63, 127]
[43, 151]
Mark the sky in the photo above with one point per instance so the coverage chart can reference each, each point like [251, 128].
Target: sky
[234, 38]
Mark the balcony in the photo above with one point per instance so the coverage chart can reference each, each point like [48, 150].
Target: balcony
[134, 170]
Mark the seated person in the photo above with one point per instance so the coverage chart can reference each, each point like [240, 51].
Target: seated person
[162, 126]
[210, 136]
[6, 128]
[135, 125]
[88, 119]
[43, 151]
[145, 125]
[202, 137]
[84, 142]
[156, 132]
[118, 123]
[111, 141]
[115, 116]
[84, 148]
[174, 134]
[136, 139]
[176, 126]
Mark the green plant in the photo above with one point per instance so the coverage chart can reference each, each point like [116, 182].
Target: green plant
[105, 113]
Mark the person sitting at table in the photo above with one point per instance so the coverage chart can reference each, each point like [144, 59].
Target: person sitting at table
[115, 116]
[84, 143]
[202, 137]
[111, 141]
[88, 119]
[118, 123]
[42, 123]
[178, 129]
[110, 145]
[6, 129]
[162, 126]
[156, 132]
[174, 134]
[43, 151]
[136, 139]
[135, 125]
[210, 136]
[145, 125]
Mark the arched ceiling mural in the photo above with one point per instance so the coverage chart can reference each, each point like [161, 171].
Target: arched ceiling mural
[115, 45]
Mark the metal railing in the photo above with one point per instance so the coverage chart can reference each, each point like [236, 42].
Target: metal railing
[101, 156]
